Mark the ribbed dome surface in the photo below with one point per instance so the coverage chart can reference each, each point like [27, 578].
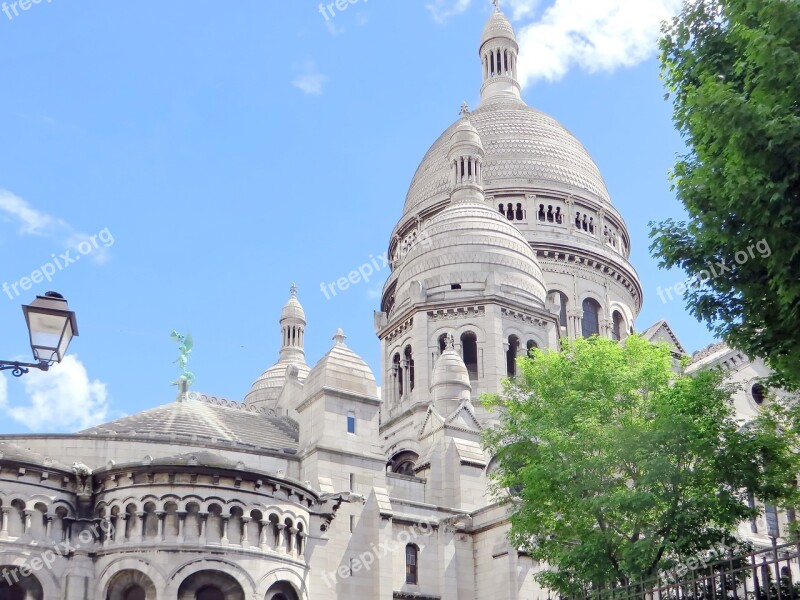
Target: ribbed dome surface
[472, 240]
[498, 26]
[293, 310]
[523, 147]
[450, 370]
[269, 385]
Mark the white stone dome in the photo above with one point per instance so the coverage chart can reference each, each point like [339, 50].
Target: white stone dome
[468, 244]
[524, 147]
[268, 386]
[341, 369]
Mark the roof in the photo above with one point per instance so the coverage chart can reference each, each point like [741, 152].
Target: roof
[341, 369]
[498, 26]
[208, 420]
[662, 332]
[14, 452]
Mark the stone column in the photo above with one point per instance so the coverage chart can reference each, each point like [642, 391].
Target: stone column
[292, 533]
[160, 535]
[203, 522]
[108, 533]
[280, 546]
[181, 522]
[263, 537]
[28, 515]
[119, 534]
[4, 522]
[49, 529]
[225, 541]
[139, 526]
[245, 541]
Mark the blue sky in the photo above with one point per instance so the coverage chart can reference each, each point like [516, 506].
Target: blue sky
[231, 149]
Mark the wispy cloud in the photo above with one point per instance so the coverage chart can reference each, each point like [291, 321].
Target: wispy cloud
[442, 10]
[30, 221]
[63, 399]
[310, 81]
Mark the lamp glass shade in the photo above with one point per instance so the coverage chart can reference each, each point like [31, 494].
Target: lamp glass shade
[51, 326]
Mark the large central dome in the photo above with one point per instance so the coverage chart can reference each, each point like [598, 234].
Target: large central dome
[524, 147]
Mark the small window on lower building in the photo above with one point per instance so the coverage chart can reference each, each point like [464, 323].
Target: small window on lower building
[412, 554]
[759, 393]
[351, 423]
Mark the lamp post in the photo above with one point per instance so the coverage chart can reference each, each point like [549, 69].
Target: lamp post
[51, 327]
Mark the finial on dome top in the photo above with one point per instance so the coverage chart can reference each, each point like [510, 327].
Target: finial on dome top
[293, 290]
[464, 109]
[340, 337]
[496, 5]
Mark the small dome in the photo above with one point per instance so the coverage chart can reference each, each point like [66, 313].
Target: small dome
[293, 309]
[498, 26]
[341, 369]
[450, 371]
[469, 244]
[465, 135]
[266, 389]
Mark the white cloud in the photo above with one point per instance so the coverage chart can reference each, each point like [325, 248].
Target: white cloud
[442, 10]
[591, 35]
[63, 399]
[558, 36]
[31, 221]
[311, 80]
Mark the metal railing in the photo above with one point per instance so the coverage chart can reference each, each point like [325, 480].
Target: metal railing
[767, 574]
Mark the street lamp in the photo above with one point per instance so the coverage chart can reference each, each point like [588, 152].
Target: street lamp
[51, 326]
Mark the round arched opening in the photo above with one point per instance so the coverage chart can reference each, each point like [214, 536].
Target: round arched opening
[16, 587]
[130, 585]
[282, 590]
[210, 585]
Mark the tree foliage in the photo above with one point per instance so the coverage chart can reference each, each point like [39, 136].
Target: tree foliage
[732, 68]
[619, 467]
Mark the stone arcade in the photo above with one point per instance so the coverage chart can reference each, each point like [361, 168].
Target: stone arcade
[315, 488]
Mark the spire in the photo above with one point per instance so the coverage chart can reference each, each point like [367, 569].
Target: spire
[293, 327]
[466, 160]
[498, 52]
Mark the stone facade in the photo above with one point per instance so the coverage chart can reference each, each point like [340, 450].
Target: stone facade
[314, 487]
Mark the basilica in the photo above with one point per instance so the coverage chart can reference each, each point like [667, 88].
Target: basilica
[316, 486]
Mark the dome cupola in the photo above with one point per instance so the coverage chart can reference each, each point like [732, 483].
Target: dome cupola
[499, 51]
[466, 161]
[266, 389]
[450, 383]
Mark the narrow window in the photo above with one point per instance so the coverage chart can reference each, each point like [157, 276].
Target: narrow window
[502, 209]
[352, 482]
[442, 343]
[412, 577]
[511, 356]
[398, 375]
[531, 345]
[469, 350]
[559, 216]
[510, 212]
[759, 393]
[410, 366]
[618, 326]
[591, 318]
[520, 214]
[351, 422]
[541, 212]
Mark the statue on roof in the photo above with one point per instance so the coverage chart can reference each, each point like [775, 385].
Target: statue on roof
[185, 349]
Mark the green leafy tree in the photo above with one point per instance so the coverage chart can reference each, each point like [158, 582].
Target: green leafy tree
[732, 68]
[615, 467]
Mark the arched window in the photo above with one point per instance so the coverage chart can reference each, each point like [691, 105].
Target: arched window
[540, 215]
[590, 325]
[759, 393]
[562, 301]
[442, 343]
[531, 345]
[410, 366]
[618, 326]
[469, 352]
[135, 593]
[397, 369]
[403, 463]
[510, 212]
[412, 575]
[502, 209]
[210, 592]
[519, 213]
[559, 216]
[511, 356]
